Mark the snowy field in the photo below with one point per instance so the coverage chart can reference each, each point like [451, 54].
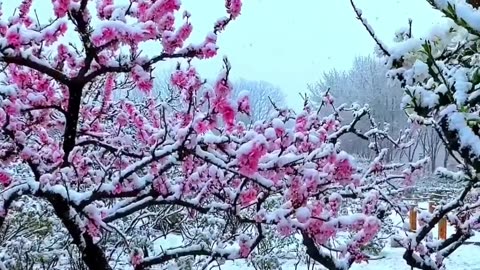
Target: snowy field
[467, 257]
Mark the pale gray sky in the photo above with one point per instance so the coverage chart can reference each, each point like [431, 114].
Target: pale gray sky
[290, 43]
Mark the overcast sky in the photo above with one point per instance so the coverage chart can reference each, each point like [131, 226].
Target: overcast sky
[290, 43]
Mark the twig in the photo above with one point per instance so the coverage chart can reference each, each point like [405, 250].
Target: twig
[369, 29]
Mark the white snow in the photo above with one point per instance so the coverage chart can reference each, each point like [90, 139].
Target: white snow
[465, 258]
[468, 139]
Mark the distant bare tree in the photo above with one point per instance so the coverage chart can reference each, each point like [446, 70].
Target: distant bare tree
[364, 82]
[262, 94]
[431, 145]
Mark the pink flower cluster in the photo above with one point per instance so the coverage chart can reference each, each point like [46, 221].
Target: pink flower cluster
[248, 196]
[244, 249]
[248, 161]
[233, 7]
[142, 79]
[5, 178]
[61, 7]
[244, 105]
[136, 256]
[188, 81]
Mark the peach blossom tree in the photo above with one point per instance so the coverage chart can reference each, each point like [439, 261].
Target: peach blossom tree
[107, 167]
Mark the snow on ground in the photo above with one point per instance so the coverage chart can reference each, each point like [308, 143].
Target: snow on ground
[467, 257]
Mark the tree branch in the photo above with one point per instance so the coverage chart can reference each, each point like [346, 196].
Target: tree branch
[55, 74]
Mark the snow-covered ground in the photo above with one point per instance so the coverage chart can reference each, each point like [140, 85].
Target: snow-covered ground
[467, 257]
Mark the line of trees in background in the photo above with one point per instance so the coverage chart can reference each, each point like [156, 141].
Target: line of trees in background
[366, 83]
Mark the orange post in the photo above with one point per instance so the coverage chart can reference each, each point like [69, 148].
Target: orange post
[431, 206]
[413, 219]
[442, 229]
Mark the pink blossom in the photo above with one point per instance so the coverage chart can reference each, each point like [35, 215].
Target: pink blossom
[370, 229]
[13, 38]
[185, 119]
[183, 33]
[136, 257]
[102, 10]
[248, 196]
[248, 162]
[330, 125]
[25, 8]
[160, 186]
[129, 108]
[221, 24]
[233, 7]
[108, 34]
[259, 216]
[228, 115]
[139, 121]
[244, 105]
[142, 79]
[166, 22]
[62, 29]
[284, 228]
[409, 178]
[201, 127]
[145, 85]
[188, 81]
[335, 201]
[188, 165]
[109, 85]
[244, 249]
[343, 171]
[5, 178]
[297, 193]
[320, 231]
[208, 50]
[142, 10]
[240, 128]
[122, 119]
[118, 189]
[61, 7]
[301, 124]
[189, 149]
[222, 89]
[92, 229]
[179, 79]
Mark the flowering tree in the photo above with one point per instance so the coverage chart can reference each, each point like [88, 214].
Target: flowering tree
[439, 74]
[111, 172]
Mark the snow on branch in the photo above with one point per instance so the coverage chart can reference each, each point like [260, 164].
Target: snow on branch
[369, 29]
[440, 93]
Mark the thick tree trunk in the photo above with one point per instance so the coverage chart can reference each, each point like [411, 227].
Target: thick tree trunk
[92, 254]
[70, 135]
